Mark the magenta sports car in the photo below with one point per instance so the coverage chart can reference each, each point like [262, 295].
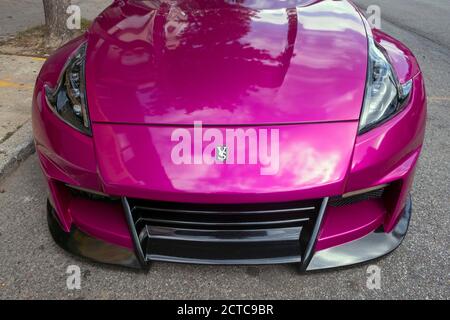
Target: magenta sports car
[230, 132]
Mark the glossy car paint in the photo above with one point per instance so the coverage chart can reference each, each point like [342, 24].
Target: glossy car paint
[300, 70]
[251, 66]
[311, 165]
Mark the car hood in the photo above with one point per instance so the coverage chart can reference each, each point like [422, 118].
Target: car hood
[256, 62]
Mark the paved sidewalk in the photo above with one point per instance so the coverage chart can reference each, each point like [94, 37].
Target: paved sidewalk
[19, 15]
[17, 77]
[18, 74]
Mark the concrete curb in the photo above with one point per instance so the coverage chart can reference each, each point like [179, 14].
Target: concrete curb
[16, 149]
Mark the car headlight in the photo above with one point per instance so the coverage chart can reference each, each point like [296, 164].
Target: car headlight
[68, 99]
[384, 96]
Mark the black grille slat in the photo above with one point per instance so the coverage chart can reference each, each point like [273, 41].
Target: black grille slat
[225, 208]
[224, 215]
[223, 253]
[224, 224]
[185, 211]
[255, 235]
[203, 220]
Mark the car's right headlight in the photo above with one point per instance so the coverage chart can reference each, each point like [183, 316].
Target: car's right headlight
[384, 96]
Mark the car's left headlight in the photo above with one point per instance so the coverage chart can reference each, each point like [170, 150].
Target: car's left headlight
[384, 96]
[68, 99]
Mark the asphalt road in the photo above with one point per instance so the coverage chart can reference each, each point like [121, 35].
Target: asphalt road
[32, 266]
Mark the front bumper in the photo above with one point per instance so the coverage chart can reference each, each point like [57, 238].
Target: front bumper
[371, 246]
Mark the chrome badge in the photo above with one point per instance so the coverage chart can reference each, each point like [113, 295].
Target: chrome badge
[221, 153]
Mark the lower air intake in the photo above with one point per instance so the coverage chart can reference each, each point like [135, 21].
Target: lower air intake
[222, 234]
[340, 201]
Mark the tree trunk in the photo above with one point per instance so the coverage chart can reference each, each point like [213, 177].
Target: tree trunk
[55, 21]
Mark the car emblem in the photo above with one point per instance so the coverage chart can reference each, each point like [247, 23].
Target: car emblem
[221, 153]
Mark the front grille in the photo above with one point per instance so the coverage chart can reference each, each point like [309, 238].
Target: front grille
[222, 233]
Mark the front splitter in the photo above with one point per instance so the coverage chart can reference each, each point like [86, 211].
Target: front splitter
[372, 246]
[81, 244]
